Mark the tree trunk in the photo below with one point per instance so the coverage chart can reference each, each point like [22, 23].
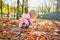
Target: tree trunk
[18, 11]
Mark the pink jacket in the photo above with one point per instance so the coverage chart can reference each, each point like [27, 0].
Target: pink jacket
[25, 18]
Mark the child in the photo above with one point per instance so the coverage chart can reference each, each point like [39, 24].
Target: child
[26, 21]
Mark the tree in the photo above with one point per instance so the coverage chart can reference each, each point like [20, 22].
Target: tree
[18, 11]
[58, 4]
[1, 7]
[26, 7]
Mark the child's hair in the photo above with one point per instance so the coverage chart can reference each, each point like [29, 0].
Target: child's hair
[33, 12]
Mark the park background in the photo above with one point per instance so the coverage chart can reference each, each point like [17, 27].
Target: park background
[46, 9]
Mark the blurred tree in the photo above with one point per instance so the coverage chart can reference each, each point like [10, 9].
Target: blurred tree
[26, 6]
[18, 11]
[58, 4]
[1, 7]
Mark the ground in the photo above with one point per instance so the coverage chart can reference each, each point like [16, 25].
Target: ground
[45, 30]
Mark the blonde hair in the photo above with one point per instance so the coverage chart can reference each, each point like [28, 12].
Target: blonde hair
[33, 12]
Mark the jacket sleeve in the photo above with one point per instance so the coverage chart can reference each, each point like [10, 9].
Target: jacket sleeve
[23, 21]
[20, 24]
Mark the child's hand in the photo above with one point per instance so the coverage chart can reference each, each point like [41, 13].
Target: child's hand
[34, 27]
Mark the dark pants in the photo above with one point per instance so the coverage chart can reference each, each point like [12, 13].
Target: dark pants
[25, 26]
